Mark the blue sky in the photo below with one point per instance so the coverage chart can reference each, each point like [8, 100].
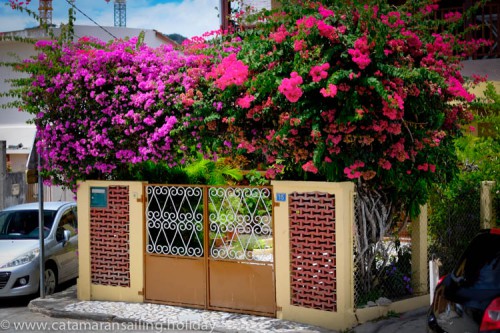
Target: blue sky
[186, 17]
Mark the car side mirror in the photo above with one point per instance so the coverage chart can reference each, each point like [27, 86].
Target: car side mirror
[67, 236]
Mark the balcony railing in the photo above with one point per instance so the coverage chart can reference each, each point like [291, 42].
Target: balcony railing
[486, 26]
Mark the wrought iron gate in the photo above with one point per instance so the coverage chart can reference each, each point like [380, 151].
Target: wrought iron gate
[210, 247]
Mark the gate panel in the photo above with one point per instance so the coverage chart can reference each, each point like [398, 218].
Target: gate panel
[175, 263]
[235, 272]
[241, 259]
[242, 287]
[176, 281]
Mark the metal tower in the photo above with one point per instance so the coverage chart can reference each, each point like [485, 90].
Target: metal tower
[120, 13]
[45, 12]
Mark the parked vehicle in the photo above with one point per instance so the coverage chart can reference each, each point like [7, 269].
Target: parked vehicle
[20, 247]
[468, 299]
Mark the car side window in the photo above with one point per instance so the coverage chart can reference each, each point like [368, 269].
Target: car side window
[479, 264]
[68, 222]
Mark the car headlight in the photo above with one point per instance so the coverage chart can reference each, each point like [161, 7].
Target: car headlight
[23, 259]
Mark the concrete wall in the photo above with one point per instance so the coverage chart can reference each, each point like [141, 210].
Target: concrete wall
[87, 290]
[320, 221]
[344, 316]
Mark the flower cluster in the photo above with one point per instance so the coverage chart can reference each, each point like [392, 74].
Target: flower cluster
[115, 104]
[361, 52]
[290, 87]
[229, 71]
[319, 73]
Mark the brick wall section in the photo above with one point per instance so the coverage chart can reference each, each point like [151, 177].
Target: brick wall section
[109, 240]
[312, 247]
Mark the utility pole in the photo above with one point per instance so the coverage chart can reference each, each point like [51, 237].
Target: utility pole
[45, 12]
[120, 13]
[3, 172]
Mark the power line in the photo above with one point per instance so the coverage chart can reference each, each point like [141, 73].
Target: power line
[100, 26]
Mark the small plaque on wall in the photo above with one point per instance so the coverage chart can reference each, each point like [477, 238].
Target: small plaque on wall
[99, 197]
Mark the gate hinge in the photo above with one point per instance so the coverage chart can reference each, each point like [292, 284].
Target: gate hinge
[276, 204]
[141, 292]
[279, 308]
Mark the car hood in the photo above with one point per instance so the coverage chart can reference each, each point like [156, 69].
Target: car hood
[11, 249]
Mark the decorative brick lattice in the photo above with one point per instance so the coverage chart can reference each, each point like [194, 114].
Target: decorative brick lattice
[312, 246]
[109, 240]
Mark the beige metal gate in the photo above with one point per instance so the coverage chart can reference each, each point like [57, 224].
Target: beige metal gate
[210, 247]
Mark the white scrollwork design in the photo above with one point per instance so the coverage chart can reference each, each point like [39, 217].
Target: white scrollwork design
[240, 223]
[174, 219]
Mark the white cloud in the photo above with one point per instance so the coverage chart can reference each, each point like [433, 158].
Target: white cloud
[188, 17]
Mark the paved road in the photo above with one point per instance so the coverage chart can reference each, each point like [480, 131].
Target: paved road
[15, 317]
[409, 322]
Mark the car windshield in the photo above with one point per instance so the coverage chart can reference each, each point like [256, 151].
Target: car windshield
[23, 224]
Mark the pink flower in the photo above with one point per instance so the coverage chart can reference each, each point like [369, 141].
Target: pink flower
[452, 16]
[361, 52]
[392, 20]
[245, 101]
[290, 87]
[456, 89]
[327, 31]
[330, 91]
[100, 82]
[309, 167]
[352, 171]
[319, 72]
[229, 71]
[299, 45]
[423, 167]
[398, 151]
[280, 35]
[307, 23]
[325, 12]
[385, 164]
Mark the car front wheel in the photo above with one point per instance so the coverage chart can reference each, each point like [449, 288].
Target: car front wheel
[50, 281]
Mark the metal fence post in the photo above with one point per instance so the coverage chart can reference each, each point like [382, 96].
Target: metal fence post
[3, 172]
[419, 260]
[487, 210]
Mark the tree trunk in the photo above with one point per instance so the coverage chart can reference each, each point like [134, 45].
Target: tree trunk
[374, 221]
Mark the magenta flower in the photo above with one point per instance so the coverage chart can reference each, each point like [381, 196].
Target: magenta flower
[245, 101]
[352, 171]
[325, 12]
[361, 52]
[319, 72]
[229, 71]
[100, 82]
[280, 35]
[290, 87]
[330, 91]
[310, 167]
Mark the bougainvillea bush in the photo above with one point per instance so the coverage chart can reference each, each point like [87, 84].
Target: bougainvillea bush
[347, 92]
[102, 107]
[333, 90]
[312, 90]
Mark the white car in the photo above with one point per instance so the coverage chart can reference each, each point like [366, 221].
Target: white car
[20, 247]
